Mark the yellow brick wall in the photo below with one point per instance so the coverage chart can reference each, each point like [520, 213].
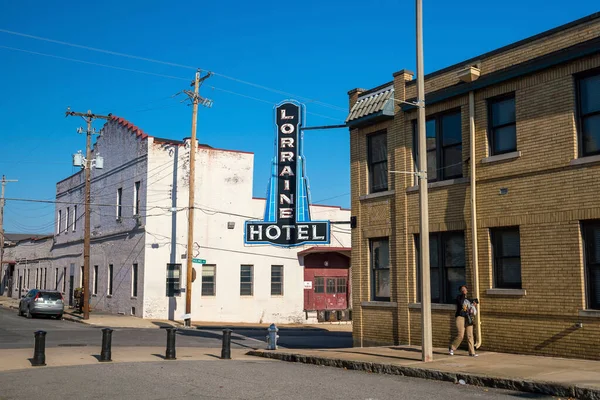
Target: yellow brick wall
[547, 198]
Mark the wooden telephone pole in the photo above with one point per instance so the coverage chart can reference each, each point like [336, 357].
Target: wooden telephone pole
[4, 182]
[89, 118]
[196, 99]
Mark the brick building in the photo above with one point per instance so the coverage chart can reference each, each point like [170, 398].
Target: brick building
[533, 151]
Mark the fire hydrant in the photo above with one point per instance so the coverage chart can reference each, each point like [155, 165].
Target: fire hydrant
[272, 337]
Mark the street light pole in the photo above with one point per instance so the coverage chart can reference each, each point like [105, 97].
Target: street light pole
[426, 334]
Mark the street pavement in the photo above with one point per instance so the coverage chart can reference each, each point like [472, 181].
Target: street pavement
[17, 332]
[230, 379]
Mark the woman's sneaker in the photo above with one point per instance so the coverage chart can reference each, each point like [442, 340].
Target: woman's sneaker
[473, 355]
[450, 351]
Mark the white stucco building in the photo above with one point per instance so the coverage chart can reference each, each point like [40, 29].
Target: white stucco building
[139, 234]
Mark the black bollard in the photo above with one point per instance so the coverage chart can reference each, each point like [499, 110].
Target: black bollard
[39, 351]
[226, 349]
[170, 354]
[106, 345]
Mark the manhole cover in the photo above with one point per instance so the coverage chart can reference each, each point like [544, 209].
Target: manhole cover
[72, 345]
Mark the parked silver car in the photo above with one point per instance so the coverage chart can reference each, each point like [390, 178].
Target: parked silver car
[47, 302]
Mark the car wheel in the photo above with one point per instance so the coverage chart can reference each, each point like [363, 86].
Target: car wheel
[28, 314]
[20, 312]
[59, 317]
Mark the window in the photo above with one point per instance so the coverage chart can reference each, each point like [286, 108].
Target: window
[506, 246]
[276, 280]
[136, 198]
[591, 237]
[64, 280]
[444, 146]
[95, 287]
[74, 218]
[134, 280]
[319, 285]
[341, 285]
[110, 279]
[377, 160]
[119, 203]
[173, 280]
[81, 278]
[45, 278]
[59, 222]
[380, 269]
[56, 279]
[246, 278]
[446, 263]
[331, 286]
[67, 219]
[588, 101]
[209, 280]
[502, 125]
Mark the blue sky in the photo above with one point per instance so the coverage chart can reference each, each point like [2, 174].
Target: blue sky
[316, 49]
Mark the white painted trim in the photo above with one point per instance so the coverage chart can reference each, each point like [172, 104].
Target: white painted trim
[502, 157]
[376, 195]
[506, 292]
[589, 313]
[585, 160]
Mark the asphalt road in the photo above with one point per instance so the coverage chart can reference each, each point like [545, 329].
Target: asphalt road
[17, 332]
[228, 380]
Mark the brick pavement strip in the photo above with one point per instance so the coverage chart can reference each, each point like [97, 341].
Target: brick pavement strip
[410, 366]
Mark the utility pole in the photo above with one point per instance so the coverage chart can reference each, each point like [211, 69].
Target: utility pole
[196, 99]
[426, 334]
[4, 182]
[89, 118]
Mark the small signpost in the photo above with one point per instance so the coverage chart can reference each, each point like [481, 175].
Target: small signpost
[198, 261]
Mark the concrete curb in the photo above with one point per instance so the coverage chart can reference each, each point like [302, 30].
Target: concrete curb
[548, 388]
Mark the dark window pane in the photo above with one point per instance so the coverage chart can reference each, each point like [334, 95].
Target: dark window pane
[379, 177]
[591, 134]
[377, 147]
[173, 279]
[592, 240]
[594, 287]
[503, 112]
[509, 244]
[246, 280]
[430, 134]
[434, 277]
[382, 283]
[454, 250]
[319, 285]
[208, 280]
[510, 271]
[276, 280]
[331, 286]
[456, 278]
[505, 139]
[451, 129]
[434, 251]
[590, 94]
[453, 161]
[431, 165]
[341, 285]
[52, 296]
[380, 254]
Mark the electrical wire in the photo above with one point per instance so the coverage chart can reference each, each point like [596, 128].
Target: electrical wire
[119, 54]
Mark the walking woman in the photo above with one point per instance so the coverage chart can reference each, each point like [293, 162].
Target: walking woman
[466, 309]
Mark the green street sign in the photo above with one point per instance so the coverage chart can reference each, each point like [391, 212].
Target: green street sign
[198, 261]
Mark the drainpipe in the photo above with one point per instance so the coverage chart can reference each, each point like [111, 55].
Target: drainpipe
[474, 214]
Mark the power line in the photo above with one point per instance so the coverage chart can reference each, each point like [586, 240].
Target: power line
[152, 60]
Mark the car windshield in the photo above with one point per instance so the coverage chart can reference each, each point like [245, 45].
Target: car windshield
[50, 295]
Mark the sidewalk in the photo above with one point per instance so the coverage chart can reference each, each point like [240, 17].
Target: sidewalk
[103, 319]
[554, 376]
[18, 359]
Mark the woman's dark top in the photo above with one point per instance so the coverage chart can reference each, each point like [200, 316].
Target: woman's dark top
[459, 305]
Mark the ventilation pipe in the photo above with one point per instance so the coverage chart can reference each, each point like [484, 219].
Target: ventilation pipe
[468, 75]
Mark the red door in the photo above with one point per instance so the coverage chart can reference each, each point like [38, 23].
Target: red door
[329, 289]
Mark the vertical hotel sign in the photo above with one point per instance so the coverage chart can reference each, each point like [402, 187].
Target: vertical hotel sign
[287, 220]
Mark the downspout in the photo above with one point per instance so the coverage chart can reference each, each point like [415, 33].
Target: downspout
[474, 215]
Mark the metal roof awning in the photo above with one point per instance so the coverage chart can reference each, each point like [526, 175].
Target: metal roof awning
[380, 103]
[323, 249]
